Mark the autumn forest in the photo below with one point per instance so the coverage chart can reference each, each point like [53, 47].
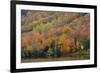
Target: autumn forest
[54, 36]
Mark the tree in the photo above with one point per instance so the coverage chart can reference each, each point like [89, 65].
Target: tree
[26, 40]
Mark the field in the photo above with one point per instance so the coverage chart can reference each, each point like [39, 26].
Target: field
[54, 36]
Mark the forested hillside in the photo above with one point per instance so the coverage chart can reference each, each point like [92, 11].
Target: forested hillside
[56, 35]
